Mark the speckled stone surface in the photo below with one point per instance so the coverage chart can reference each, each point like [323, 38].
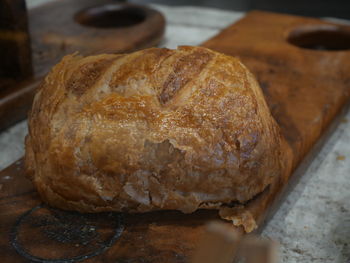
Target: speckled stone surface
[313, 224]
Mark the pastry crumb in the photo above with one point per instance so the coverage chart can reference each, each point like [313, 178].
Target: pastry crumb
[340, 158]
[239, 217]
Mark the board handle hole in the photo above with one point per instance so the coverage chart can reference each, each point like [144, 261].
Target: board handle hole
[320, 37]
[111, 16]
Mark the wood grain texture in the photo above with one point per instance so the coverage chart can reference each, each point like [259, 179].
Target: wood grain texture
[55, 30]
[64, 27]
[307, 91]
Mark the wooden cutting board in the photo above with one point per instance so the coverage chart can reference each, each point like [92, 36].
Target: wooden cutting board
[307, 89]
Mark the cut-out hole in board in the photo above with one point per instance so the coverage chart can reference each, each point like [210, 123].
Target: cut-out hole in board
[320, 37]
[111, 16]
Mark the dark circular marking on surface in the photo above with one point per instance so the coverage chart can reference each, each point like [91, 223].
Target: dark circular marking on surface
[65, 234]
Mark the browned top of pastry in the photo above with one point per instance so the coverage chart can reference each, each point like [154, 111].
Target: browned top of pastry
[156, 129]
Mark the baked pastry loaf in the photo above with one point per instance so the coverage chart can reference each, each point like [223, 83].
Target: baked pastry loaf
[157, 129]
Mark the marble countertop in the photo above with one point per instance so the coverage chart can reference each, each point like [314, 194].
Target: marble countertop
[313, 224]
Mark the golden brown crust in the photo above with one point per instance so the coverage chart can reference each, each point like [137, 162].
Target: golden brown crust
[156, 129]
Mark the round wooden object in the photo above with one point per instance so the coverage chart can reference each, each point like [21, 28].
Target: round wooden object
[91, 27]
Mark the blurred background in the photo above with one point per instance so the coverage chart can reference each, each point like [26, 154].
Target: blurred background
[316, 8]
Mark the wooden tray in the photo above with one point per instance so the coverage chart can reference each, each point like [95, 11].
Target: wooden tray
[306, 89]
[63, 27]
